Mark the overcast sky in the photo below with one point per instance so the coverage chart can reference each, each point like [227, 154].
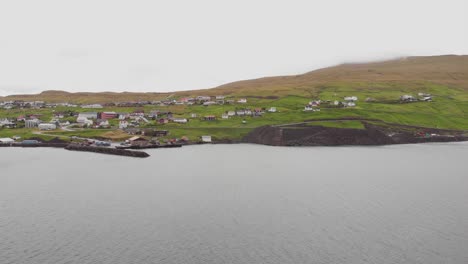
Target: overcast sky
[152, 45]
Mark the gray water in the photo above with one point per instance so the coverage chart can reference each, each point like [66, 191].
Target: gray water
[236, 204]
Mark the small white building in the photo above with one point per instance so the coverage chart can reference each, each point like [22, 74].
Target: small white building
[89, 115]
[309, 108]
[96, 106]
[6, 140]
[206, 139]
[242, 101]
[123, 124]
[202, 98]
[31, 123]
[225, 116]
[47, 126]
[424, 94]
[351, 98]
[84, 121]
[193, 115]
[240, 112]
[209, 103]
[231, 113]
[407, 98]
[123, 116]
[315, 103]
[180, 120]
[104, 123]
[272, 110]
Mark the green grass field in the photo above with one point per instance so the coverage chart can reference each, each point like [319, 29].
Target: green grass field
[449, 110]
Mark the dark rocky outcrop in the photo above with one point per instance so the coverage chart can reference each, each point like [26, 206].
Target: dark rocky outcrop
[298, 135]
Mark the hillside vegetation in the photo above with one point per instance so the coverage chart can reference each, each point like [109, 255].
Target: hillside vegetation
[381, 83]
[400, 75]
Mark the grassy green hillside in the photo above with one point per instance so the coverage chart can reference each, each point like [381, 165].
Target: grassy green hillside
[445, 77]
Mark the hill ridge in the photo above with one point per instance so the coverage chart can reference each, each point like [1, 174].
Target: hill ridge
[407, 71]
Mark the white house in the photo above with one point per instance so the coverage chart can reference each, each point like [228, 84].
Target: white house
[92, 106]
[316, 103]
[84, 120]
[47, 126]
[123, 124]
[424, 94]
[103, 123]
[351, 98]
[240, 112]
[308, 108]
[203, 98]
[272, 110]
[67, 123]
[231, 113]
[242, 101]
[6, 140]
[31, 123]
[89, 115]
[209, 103]
[407, 98]
[180, 120]
[193, 115]
[206, 139]
[225, 116]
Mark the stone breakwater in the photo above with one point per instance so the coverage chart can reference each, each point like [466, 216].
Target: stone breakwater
[78, 147]
[111, 151]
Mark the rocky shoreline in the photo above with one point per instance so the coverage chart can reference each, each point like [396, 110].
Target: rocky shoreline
[302, 134]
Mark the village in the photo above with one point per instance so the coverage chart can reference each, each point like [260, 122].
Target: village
[145, 124]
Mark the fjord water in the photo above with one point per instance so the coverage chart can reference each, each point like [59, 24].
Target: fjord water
[236, 204]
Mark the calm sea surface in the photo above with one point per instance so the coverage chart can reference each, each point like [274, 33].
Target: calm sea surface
[236, 204]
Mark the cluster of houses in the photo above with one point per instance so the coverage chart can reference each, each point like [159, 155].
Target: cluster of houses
[30, 121]
[314, 106]
[101, 119]
[257, 112]
[205, 100]
[31, 105]
[199, 100]
[135, 119]
[139, 137]
[424, 97]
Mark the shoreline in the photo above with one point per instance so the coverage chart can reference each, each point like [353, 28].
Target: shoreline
[236, 142]
[289, 135]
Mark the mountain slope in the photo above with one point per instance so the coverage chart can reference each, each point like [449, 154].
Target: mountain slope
[410, 73]
[447, 70]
